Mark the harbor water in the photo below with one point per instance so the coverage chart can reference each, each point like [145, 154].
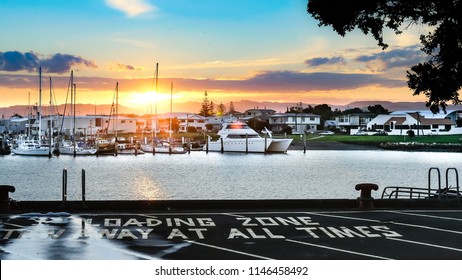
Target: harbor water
[295, 175]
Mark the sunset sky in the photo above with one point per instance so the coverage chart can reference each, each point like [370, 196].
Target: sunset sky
[262, 50]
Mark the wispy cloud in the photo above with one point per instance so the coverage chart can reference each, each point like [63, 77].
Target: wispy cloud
[400, 57]
[318, 61]
[132, 8]
[282, 82]
[13, 61]
[122, 67]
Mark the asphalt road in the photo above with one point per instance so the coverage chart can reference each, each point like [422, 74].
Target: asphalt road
[255, 235]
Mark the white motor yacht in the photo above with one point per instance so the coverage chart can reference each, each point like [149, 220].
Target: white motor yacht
[239, 137]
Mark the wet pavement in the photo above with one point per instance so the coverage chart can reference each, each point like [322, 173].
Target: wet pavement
[234, 235]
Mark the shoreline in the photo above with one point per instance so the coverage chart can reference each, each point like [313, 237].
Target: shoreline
[332, 145]
[405, 147]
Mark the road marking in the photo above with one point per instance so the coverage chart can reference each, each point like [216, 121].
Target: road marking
[337, 249]
[390, 222]
[425, 244]
[426, 227]
[13, 225]
[228, 250]
[426, 216]
[346, 218]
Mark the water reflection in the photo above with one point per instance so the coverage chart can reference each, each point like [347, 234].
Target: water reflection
[316, 174]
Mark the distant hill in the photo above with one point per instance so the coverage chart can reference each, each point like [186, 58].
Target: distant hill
[390, 106]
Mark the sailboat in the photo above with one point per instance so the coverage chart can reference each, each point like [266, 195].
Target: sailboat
[104, 145]
[26, 145]
[156, 146]
[73, 147]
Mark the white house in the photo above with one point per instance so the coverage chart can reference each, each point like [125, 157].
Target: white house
[422, 123]
[299, 122]
[185, 120]
[354, 120]
[261, 114]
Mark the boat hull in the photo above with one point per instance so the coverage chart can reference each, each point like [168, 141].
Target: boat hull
[257, 145]
[78, 152]
[279, 145]
[42, 151]
[163, 150]
[130, 152]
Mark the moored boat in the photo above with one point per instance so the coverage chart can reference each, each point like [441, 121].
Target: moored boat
[239, 137]
[26, 146]
[163, 147]
[68, 148]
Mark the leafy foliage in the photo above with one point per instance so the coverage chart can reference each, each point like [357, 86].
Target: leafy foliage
[439, 78]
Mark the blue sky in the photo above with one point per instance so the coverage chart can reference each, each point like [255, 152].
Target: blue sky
[262, 50]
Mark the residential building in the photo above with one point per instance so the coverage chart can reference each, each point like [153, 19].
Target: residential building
[260, 114]
[357, 120]
[422, 123]
[184, 120]
[187, 120]
[90, 125]
[299, 122]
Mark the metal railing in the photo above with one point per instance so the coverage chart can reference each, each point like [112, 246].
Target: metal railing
[446, 193]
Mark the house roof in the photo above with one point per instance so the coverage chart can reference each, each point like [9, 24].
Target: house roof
[398, 120]
[294, 114]
[426, 113]
[426, 121]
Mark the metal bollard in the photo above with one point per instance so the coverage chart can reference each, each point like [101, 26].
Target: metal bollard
[5, 198]
[365, 198]
[64, 187]
[83, 188]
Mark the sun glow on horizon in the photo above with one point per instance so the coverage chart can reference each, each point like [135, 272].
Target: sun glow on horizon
[150, 98]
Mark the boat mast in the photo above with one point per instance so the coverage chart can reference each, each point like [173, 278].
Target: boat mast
[171, 107]
[40, 107]
[73, 121]
[50, 125]
[157, 89]
[29, 132]
[117, 110]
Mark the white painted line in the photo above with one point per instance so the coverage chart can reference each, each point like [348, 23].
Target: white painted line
[229, 250]
[339, 250]
[426, 227]
[390, 222]
[426, 216]
[426, 244]
[233, 215]
[435, 211]
[13, 225]
[346, 218]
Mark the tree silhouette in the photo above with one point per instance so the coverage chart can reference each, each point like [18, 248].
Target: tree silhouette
[440, 77]
[207, 106]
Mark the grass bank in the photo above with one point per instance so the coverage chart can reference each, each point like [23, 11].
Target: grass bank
[373, 139]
